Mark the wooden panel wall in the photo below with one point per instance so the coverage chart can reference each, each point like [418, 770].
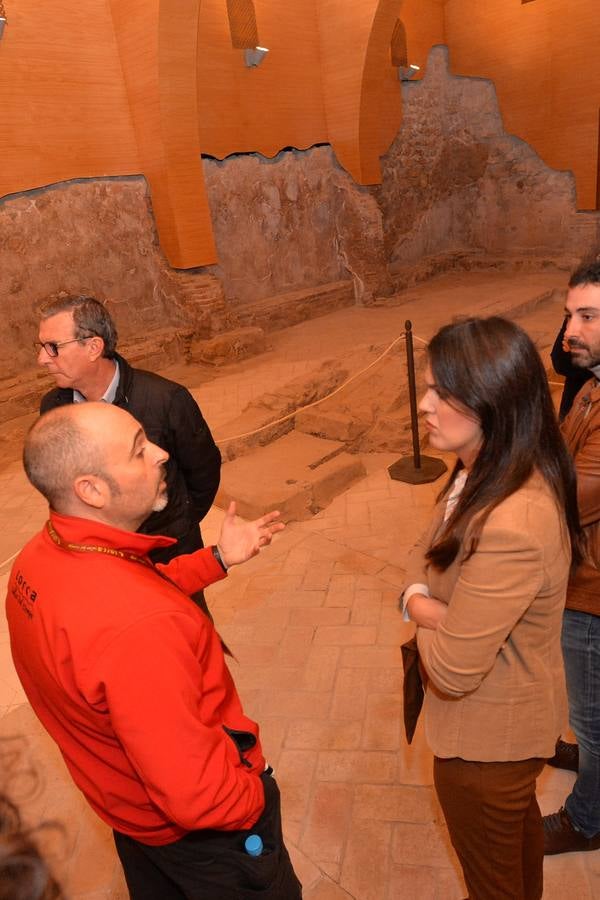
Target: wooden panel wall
[64, 107]
[274, 105]
[544, 58]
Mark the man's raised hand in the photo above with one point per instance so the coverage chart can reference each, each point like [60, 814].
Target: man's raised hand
[239, 541]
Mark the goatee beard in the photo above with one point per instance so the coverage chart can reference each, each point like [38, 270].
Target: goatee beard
[160, 503]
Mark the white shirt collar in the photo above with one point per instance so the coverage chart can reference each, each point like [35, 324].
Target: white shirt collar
[109, 394]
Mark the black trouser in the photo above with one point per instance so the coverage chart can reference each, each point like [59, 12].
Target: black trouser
[188, 544]
[213, 865]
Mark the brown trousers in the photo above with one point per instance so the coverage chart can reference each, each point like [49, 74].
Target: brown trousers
[495, 825]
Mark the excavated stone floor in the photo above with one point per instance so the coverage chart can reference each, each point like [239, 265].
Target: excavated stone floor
[314, 625]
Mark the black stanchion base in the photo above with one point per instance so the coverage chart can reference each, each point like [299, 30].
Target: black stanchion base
[430, 469]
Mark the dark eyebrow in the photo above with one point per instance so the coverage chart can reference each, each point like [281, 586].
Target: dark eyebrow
[138, 435]
[584, 309]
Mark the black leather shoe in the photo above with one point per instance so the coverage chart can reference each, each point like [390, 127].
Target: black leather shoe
[566, 756]
[561, 837]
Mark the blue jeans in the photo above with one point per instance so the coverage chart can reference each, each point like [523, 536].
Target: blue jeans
[581, 651]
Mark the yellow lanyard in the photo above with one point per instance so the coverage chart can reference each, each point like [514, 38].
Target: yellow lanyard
[109, 551]
[122, 554]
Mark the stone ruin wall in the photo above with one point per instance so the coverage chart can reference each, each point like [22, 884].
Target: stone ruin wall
[455, 183]
[95, 236]
[456, 191]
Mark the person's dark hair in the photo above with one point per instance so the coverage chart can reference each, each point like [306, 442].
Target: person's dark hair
[90, 317]
[587, 273]
[24, 874]
[492, 368]
[56, 451]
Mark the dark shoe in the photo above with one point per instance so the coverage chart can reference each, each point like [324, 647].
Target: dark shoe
[565, 757]
[561, 837]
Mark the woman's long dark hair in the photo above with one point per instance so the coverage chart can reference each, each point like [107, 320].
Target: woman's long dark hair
[491, 366]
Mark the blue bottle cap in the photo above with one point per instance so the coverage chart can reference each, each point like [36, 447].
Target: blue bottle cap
[253, 845]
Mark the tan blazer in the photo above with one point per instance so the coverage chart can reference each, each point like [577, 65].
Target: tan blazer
[497, 688]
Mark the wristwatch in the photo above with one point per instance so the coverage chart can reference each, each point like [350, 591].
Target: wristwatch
[217, 555]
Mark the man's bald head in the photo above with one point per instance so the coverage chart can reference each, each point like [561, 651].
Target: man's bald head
[65, 443]
[94, 461]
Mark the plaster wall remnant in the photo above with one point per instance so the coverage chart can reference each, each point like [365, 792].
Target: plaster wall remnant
[293, 222]
[95, 236]
[455, 183]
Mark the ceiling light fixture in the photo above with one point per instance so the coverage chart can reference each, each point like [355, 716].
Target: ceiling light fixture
[255, 56]
[406, 73]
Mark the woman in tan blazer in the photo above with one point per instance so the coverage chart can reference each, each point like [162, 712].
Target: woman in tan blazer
[486, 587]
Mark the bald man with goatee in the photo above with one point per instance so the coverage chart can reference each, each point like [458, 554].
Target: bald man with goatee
[129, 677]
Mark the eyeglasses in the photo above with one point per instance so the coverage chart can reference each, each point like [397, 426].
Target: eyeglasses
[52, 347]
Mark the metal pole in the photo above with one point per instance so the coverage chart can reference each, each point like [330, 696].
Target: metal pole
[416, 469]
[412, 394]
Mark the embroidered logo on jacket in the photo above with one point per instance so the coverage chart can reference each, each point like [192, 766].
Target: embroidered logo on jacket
[24, 593]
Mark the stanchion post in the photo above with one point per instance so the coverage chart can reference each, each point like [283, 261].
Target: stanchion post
[415, 469]
[412, 394]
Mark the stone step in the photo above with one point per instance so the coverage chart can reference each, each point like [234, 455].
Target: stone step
[287, 309]
[298, 474]
[406, 276]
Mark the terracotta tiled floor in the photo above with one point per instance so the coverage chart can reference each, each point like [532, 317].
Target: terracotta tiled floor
[314, 625]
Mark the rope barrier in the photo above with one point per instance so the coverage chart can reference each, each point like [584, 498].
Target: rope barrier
[300, 409]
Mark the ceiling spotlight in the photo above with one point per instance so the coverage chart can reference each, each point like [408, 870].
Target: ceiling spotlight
[254, 57]
[2, 18]
[406, 73]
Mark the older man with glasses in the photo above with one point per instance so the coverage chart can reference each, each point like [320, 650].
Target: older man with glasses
[77, 346]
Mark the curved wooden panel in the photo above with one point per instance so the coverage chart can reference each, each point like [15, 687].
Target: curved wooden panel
[158, 46]
[242, 24]
[378, 73]
[399, 46]
[357, 76]
[181, 179]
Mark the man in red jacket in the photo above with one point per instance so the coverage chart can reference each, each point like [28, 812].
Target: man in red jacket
[128, 675]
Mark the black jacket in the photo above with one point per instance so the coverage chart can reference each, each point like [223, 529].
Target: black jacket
[172, 419]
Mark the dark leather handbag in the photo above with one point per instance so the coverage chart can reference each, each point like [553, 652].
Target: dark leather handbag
[413, 688]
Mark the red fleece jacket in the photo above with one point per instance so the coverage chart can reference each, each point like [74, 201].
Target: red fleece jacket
[128, 676]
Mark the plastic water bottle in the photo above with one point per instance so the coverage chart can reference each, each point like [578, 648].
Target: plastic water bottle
[253, 845]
